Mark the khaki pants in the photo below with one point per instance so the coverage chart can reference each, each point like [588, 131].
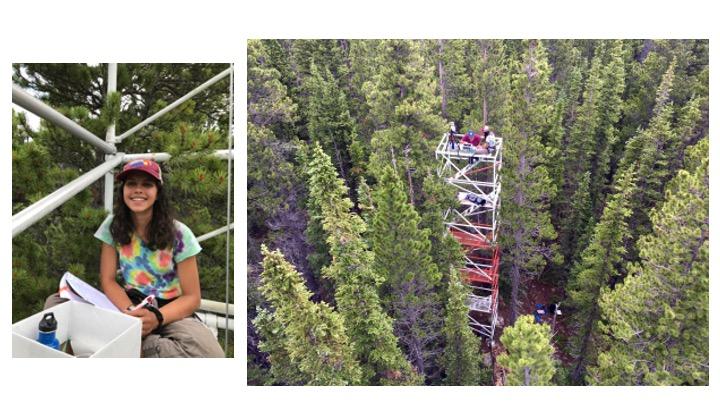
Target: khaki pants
[184, 338]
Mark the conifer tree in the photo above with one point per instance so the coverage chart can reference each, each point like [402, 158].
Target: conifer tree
[686, 132]
[648, 150]
[456, 87]
[611, 106]
[328, 57]
[527, 188]
[655, 326]
[319, 254]
[402, 257]
[488, 65]
[266, 189]
[268, 101]
[461, 358]
[577, 223]
[314, 338]
[403, 105]
[329, 121]
[528, 359]
[404, 109]
[369, 327]
[581, 152]
[568, 69]
[599, 264]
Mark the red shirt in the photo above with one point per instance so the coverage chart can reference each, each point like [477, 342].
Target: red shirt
[475, 141]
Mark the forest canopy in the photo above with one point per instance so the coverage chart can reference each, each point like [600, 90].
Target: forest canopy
[604, 205]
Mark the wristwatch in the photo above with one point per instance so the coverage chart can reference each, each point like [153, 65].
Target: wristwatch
[158, 315]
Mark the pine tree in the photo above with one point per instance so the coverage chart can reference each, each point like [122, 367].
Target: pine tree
[528, 359]
[369, 327]
[611, 106]
[453, 71]
[461, 358]
[488, 65]
[655, 326]
[581, 152]
[527, 189]
[326, 55]
[648, 150]
[402, 257]
[313, 336]
[319, 255]
[268, 101]
[599, 264]
[577, 221]
[329, 121]
[404, 109]
[403, 106]
[266, 189]
[568, 69]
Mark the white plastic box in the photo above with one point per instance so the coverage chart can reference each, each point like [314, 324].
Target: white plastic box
[93, 332]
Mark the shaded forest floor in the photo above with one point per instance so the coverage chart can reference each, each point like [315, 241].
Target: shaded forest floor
[541, 292]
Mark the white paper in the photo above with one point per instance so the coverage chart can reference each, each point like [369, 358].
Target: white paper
[79, 290]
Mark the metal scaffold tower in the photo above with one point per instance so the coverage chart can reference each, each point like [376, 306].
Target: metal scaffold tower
[475, 172]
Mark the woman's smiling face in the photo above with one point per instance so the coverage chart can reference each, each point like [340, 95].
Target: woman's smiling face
[139, 192]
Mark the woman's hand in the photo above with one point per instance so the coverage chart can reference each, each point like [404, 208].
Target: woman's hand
[149, 320]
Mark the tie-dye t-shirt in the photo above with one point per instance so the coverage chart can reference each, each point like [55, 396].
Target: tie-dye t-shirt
[152, 271]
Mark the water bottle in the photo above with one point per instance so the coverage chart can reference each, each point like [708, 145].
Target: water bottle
[46, 333]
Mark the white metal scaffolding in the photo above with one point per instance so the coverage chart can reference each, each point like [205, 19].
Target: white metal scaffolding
[475, 173]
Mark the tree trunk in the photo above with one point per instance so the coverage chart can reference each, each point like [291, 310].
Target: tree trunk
[527, 375]
[484, 96]
[340, 161]
[648, 45]
[580, 366]
[409, 170]
[441, 73]
[514, 292]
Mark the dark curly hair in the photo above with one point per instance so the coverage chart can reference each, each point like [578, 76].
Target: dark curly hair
[161, 230]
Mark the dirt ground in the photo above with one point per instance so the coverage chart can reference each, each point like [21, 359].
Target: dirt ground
[538, 292]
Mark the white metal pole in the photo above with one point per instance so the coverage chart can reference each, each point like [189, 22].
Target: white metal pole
[177, 102]
[217, 307]
[110, 138]
[158, 157]
[22, 220]
[216, 232]
[229, 203]
[37, 107]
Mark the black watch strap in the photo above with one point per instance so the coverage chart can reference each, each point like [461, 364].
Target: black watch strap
[158, 315]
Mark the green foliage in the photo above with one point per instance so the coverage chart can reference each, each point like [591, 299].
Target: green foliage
[402, 257]
[600, 262]
[528, 234]
[403, 107]
[656, 151]
[528, 359]
[461, 358]
[111, 110]
[577, 222]
[307, 341]
[369, 327]
[655, 325]
[269, 175]
[268, 102]
[329, 121]
[611, 105]
[574, 115]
